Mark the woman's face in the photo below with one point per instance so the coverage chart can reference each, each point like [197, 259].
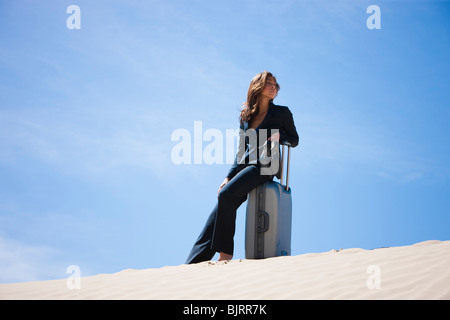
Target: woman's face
[270, 89]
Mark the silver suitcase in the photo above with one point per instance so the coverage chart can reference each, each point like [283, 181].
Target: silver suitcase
[269, 218]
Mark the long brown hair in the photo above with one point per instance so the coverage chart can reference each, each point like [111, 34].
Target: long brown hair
[250, 107]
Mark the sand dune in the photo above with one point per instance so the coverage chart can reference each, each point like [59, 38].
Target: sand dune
[419, 271]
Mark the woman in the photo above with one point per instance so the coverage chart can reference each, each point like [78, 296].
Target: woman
[258, 113]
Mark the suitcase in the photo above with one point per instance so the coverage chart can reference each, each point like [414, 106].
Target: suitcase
[269, 217]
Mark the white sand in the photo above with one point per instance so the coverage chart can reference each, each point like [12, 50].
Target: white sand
[420, 271]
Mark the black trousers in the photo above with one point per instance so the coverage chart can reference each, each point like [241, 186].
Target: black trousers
[218, 233]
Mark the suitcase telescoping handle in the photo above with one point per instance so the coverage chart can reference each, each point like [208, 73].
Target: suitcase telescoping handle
[287, 164]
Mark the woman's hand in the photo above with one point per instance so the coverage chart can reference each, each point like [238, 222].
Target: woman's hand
[275, 137]
[223, 185]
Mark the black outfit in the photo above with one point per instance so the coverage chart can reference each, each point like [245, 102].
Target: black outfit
[244, 175]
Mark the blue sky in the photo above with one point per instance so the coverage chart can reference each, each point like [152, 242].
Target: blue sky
[86, 118]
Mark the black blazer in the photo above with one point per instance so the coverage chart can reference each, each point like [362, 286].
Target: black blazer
[277, 117]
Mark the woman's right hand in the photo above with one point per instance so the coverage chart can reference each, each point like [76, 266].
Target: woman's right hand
[223, 185]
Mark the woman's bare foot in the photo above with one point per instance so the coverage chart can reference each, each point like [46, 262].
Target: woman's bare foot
[225, 256]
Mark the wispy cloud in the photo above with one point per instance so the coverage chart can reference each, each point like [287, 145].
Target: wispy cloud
[25, 262]
[87, 143]
[335, 142]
